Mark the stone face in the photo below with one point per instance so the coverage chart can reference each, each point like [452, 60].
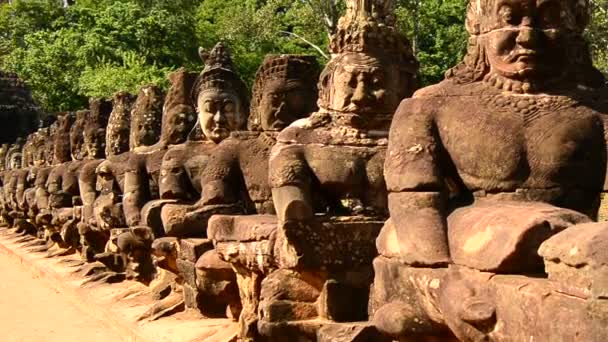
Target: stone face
[119, 123]
[146, 117]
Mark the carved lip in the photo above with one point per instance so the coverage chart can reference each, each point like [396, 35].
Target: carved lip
[522, 55]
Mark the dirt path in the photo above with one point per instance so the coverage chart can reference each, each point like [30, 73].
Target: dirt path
[31, 310]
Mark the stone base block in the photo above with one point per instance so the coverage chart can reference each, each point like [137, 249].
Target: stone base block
[192, 249]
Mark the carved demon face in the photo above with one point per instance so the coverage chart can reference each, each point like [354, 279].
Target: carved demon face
[219, 112]
[528, 39]
[179, 124]
[95, 143]
[362, 85]
[283, 102]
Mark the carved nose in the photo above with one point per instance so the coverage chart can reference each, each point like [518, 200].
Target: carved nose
[527, 37]
[218, 117]
[361, 95]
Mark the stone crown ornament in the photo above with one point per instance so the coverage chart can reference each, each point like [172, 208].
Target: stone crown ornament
[368, 26]
[218, 73]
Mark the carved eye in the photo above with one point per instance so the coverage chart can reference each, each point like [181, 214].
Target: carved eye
[229, 107]
[208, 107]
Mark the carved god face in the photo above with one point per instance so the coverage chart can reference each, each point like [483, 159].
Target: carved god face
[15, 161]
[283, 102]
[527, 41]
[219, 113]
[363, 85]
[95, 141]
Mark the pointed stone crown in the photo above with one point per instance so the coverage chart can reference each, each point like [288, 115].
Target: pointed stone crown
[368, 27]
[219, 74]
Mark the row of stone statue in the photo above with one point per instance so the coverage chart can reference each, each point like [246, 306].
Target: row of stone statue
[300, 214]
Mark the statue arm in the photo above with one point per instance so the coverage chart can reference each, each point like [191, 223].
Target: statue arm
[87, 183]
[222, 176]
[290, 179]
[416, 230]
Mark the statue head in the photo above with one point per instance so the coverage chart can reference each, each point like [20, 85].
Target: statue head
[284, 90]
[373, 67]
[95, 128]
[61, 138]
[77, 146]
[27, 154]
[220, 96]
[14, 155]
[524, 45]
[40, 157]
[179, 115]
[119, 123]
[146, 117]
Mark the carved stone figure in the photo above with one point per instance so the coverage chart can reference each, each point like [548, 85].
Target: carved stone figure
[101, 182]
[145, 123]
[506, 152]
[326, 177]
[237, 172]
[222, 105]
[61, 156]
[38, 170]
[13, 175]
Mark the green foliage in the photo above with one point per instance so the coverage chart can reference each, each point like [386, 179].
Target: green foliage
[597, 34]
[98, 47]
[253, 29]
[109, 77]
[436, 29]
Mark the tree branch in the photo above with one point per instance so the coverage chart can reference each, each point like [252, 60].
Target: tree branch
[314, 46]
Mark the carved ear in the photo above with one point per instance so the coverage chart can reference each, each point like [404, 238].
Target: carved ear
[203, 54]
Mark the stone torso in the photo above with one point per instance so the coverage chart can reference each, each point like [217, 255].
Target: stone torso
[238, 169]
[182, 168]
[344, 165]
[549, 148]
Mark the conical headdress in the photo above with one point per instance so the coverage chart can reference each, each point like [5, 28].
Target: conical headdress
[219, 74]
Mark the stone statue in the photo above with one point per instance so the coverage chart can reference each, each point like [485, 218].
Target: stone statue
[326, 175]
[13, 175]
[101, 181]
[220, 98]
[142, 177]
[109, 217]
[5, 221]
[222, 105]
[38, 169]
[485, 166]
[237, 172]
